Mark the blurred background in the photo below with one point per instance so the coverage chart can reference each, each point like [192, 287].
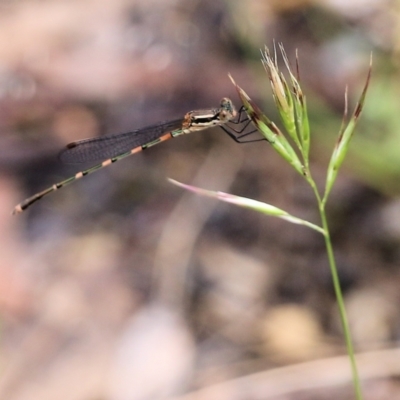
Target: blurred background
[124, 287]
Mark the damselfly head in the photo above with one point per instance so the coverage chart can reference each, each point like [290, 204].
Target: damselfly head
[227, 110]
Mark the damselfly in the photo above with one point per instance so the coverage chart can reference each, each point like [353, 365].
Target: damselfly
[113, 148]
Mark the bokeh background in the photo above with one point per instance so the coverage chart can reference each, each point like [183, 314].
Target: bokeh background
[122, 286]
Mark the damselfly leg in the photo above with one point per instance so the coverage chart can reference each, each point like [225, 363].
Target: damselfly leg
[237, 134]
